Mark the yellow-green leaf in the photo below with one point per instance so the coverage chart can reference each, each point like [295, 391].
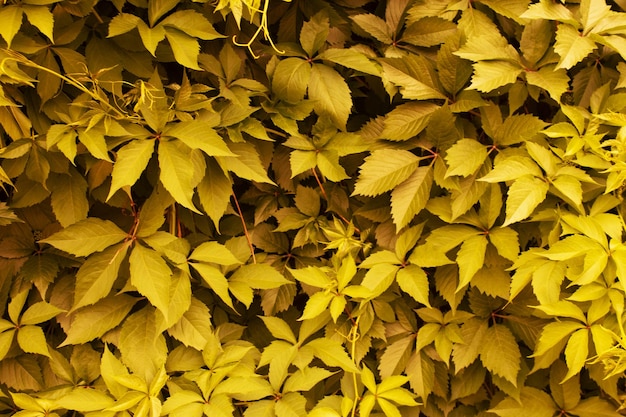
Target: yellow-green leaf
[86, 237]
[151, 275]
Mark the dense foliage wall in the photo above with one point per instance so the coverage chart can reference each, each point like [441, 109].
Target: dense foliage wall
[325, 208]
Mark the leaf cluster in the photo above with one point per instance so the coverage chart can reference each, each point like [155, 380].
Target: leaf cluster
[250, 208]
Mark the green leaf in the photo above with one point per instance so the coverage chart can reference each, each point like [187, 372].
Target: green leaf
[214, 192]
[122, 23]
[94, 321]
[95, 142]
[501, 355]
[32, 340]
[512, 168]
[518, 128]
[39, 312]
[524, 195]
[86, 237]
[280, 329]
[110, 367]
[373, 26]
[193, 328]
[312, 275]
[576, 352]
[465, 157]
[259, 276]
[131, 161]
[533, 403]
[330, 94]
[306, 378]
[177, 174]
[506, 241]
[191, 23]
[332, 353]
[41, 17]
[595, 407]
[316, 305]
[69, 198]
[490, 75]
[214, 252]
[151, 276]
[314, 33]
[186, 49]
[143, 348]
[383, 170]
[246, 164]
[413, 280]
[411, 88]
[407, 120]
[429, 31]
[95, 278]
[158, 8]
[379, 278]
[571, 46]
[351, 58]
[85, 400]
[291, 78]
[328, 163]
[11, 16]
[471, 258]
[553, 333]
[215, 279]
[548, 10]
[198, 135]
[554, 81]
[473, 334]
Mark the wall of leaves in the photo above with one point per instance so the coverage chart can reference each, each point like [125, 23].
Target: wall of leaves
[263, 208]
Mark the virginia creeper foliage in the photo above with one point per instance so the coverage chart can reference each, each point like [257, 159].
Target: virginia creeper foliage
[341, 208]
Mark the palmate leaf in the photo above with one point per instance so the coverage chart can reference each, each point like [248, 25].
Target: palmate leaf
[407, 120]
[291, 78]
[554, 81]
[177, 174]
[351, 58]
[374, 26]
[465, 157]
[94, 321]
[11, 16]
[524, 195]
[490, 75]
[534, 403]
[143, 348]
[411, 196]
[501, 355]
[87, 236]
[470, 258]
[571, 46]
[186, 48]
[383, 170]
[41, 17]
[130, 162]
[96, 276]
[150, 36]
[152, 277]
[69, 197]
[314, 33]
[193, 327]
[576, 352]
[330, 95]
[193, 24]
[410, 87]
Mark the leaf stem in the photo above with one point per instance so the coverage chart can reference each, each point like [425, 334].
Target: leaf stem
[245, 228]
[353, 337]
